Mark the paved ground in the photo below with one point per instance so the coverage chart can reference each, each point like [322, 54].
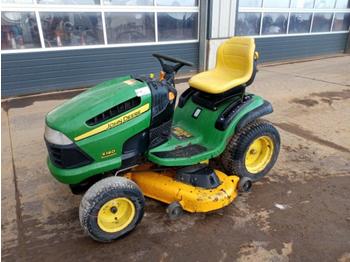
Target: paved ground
[311, 180]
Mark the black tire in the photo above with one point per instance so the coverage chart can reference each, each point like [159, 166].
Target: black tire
[232, 160]
[174, 210]
[244, 184]
[98, 195]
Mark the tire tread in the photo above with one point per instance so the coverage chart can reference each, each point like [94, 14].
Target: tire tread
[92, 197]
[230, 161]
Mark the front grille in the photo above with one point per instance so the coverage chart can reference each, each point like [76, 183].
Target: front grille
[67, 156]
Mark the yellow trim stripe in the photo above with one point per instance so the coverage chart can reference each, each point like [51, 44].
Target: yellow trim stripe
[116, 122]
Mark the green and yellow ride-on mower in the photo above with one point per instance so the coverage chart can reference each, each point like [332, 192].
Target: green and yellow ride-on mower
[124, 139]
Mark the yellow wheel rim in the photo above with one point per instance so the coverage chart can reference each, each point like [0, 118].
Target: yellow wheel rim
[115, 215]
[259, 154]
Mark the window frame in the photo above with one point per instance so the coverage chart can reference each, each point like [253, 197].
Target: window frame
[198, 22]
[258, 19]
[293, 13]
[287, 26]
[133, 13]
[334, 18]
[292, 10]
[34, 16]
[102, 9]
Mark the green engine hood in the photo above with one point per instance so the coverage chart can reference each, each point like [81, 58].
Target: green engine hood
[70, 117]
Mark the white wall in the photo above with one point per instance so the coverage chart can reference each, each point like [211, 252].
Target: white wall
[223, 16]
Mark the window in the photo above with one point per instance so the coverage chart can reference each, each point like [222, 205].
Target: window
[16, 1]
[284, 17]
[322, 22]
[341, 22]
[19, 30]
[71, 29]
[274, 23]
[69, 2]
[130, 27]
[299, 23]
[250, 3]
[128, 2]
[342, 4]
[68, 24]
[177, 26]
[324, 4]
[302, 4]
[276, 4]
[248, 23]
[177, 2]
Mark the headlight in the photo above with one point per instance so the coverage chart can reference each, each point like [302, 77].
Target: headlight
[56, 137]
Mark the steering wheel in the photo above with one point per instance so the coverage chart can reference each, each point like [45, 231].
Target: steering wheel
[170, 69]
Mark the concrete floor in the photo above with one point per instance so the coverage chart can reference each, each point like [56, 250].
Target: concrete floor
[311, 179]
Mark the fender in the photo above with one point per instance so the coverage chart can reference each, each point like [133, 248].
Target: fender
[231, 111]
[209, 133]
[264, 109]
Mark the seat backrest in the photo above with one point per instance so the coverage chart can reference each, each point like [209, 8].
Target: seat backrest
[236, 53]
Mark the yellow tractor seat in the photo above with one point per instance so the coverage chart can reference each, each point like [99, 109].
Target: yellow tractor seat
[234, 67]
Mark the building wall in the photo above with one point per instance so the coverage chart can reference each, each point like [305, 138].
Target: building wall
[50, 68]
[235, 17]
[61, 44]
[27, 73]
[289, 47]
[296, 47]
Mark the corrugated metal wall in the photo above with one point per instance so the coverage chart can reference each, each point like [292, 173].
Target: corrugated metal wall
[290, 47]
[28, 73]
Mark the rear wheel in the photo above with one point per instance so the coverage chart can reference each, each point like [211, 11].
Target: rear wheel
[111, 208]
[253, 151]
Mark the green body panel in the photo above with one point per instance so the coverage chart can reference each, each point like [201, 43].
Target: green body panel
[77, 175]
[70, 119]
[203, 132]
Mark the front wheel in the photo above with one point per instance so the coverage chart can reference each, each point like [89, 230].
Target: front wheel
[111, 208]
[253, 151]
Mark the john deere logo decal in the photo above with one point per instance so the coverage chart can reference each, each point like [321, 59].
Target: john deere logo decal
[114, 123]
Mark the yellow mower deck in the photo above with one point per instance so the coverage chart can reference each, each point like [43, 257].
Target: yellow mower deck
[163, 187]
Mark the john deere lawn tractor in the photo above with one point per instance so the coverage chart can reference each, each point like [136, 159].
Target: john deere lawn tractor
[124, 139]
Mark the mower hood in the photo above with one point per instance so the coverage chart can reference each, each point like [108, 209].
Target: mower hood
[70, 117]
